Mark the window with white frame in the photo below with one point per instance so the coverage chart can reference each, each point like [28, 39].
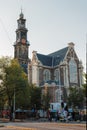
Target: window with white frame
[73, 71]
[46, 75]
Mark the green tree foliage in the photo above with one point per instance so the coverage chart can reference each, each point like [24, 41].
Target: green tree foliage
[2, 100]
[35, 96]
[12, 78]
[45, 100]
[23, 98]
[76, 97]
[4, 62]
[85, 86]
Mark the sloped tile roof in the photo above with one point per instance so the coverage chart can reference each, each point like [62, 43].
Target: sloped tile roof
[58, 56]
[44, 59]
[52, 59]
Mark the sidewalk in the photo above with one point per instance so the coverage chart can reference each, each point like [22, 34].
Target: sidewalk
[5, 120]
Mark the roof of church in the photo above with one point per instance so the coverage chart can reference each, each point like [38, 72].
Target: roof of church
[45, 59]
[52, 59]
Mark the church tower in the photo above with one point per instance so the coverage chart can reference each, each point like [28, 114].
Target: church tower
[21, 44]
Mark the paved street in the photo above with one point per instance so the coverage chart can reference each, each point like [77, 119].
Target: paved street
[42, 126]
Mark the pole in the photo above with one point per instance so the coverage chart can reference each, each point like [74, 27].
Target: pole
[14, 107]
[86, 54]
[59, 88]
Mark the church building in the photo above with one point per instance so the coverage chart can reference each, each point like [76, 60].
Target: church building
[55, 72]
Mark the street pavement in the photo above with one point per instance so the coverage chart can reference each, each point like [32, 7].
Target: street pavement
[42, 126]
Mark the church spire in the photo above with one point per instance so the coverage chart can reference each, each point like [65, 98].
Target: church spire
[21, 14]
[21, 45]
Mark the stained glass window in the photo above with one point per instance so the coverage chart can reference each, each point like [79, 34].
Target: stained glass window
[73, 71]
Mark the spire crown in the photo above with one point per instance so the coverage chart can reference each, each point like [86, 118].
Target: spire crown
[21, 14]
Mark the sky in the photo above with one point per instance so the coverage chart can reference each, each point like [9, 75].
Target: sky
[51, 25]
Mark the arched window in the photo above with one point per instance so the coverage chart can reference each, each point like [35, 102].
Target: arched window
[56, 75]
[73, 71]
[46, 75]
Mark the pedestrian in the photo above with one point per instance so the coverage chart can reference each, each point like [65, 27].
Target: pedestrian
[57, 116]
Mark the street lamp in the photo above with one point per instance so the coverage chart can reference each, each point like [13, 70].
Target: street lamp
[14, 106]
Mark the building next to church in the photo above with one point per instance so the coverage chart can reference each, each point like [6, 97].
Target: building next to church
[55, 72]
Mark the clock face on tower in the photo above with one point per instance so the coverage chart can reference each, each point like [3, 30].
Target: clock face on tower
[23, 41]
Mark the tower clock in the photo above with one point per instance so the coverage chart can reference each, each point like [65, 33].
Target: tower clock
[21, 44]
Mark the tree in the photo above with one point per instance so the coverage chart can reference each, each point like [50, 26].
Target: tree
[13, 79]
[35, 96]
[75, 97]
[45, 100]
[85, 85]
[23, 98]
[4, 62]
[2, 100]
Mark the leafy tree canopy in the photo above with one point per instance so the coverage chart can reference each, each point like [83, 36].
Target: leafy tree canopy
[76, 97]
[12, 78]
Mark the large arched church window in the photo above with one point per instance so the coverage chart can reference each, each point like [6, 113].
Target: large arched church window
[73, 71]
[46, 75]
[56, 75]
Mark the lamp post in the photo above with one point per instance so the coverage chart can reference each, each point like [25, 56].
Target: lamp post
[60, 91]
[14, 107]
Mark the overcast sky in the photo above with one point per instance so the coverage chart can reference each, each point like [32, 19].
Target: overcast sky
[51, 24]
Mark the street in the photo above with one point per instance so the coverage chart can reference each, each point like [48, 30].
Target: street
[42, 126]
